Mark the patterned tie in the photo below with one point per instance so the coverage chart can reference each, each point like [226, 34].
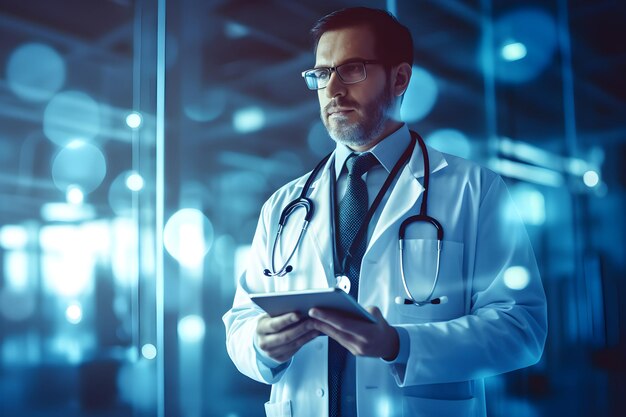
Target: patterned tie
[352, 210]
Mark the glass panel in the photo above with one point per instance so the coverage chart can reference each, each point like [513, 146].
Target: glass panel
[76, 271]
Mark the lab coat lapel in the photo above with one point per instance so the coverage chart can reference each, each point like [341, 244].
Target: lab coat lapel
[405, 194]
[320, 227]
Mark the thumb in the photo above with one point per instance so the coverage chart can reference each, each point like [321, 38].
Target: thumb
[375, 311]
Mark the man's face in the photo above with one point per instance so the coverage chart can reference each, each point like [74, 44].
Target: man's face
[354, 114]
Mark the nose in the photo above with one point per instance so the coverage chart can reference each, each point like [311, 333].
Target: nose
[335, 87]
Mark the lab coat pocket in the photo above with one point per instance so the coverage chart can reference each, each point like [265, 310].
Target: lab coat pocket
[427, 407]
[279, 409]
[420, 271]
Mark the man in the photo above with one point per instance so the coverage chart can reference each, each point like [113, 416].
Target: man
[420, 358]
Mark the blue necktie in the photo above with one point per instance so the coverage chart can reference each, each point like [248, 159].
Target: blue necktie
[352, 210]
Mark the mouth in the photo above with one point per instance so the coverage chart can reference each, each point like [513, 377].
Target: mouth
[339, 111]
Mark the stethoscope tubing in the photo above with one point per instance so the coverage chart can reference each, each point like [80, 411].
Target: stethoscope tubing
[304, 202]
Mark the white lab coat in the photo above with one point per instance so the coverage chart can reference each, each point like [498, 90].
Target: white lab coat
[494, 322]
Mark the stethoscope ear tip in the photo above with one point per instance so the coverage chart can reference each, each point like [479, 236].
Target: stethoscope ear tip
[400, 300]
[289, 269]
[267, 272]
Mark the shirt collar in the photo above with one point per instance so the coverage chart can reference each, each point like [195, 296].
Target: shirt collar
[387, 151]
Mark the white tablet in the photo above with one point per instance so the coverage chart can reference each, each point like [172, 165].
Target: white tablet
[279, 303]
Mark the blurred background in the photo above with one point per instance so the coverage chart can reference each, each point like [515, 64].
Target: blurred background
[139, 139]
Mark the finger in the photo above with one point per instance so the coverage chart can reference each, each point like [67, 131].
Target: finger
[285, 352]
[269, 342]
[375, 311]
[345, 339]
[340, 321]
[269, 325]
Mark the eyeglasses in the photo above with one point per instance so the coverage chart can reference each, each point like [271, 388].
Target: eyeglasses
[349, 73]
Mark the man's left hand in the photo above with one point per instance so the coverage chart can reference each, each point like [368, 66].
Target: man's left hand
[360, 337]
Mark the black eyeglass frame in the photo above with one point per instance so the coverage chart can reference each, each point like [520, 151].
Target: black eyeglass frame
[330, 71]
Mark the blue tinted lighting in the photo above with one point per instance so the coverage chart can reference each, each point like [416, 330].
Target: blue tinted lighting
[249, 119]
[514, 51]
[420, 96]
[35, 72]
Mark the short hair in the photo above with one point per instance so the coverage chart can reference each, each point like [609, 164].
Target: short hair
[394, 43]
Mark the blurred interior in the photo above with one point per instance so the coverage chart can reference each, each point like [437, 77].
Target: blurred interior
[139, 139]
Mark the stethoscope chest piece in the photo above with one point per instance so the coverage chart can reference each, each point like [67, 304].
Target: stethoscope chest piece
[343, 282]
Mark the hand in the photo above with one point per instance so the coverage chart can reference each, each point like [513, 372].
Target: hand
[282, 336]
[360, 337]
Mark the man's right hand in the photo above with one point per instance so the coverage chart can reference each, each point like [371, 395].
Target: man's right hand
[282, 336]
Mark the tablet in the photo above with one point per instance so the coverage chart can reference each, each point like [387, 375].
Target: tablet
[279, 303]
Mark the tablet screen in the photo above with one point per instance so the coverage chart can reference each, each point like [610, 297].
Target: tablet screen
[279, 303]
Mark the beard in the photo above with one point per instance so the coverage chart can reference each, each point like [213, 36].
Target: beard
[375, 115]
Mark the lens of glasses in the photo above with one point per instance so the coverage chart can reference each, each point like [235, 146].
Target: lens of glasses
[317, 78]
[352, 72]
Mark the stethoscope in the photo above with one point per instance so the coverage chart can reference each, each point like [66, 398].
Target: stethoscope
[343, 281]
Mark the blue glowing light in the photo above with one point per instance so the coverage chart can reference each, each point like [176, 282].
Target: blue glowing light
[591, 178]
[249, 119]
[69, 116]
[191, 329]
[516, 277]
[67, 261]
[420, 96]
[236, 30]
[514, 51]
[450, 141]
[530, 34]
[79, 164]
[530, 204]
[74, 313]
[188, 236]
[35, 72]
[134, 182]
[13, 237]
[134, 120]
[149, 351]
[17, 270]
[74, 194]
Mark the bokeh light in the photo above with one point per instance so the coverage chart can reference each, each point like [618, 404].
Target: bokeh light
[74, 195]
[591, 178]
[420, 96]
[513, 51]
[528, 33]
[530, 203]
[188, 236]
[134, 120]
[74, 313]
[450, 141]
[35, 72]
[248, 119]
[71, 115]
[516, 277]
[13, 237]
[191, 329]
[134, 181]
[79, 164]
[121, 194]
[149, 351]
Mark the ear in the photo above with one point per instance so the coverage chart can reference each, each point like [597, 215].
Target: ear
[402, 77]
